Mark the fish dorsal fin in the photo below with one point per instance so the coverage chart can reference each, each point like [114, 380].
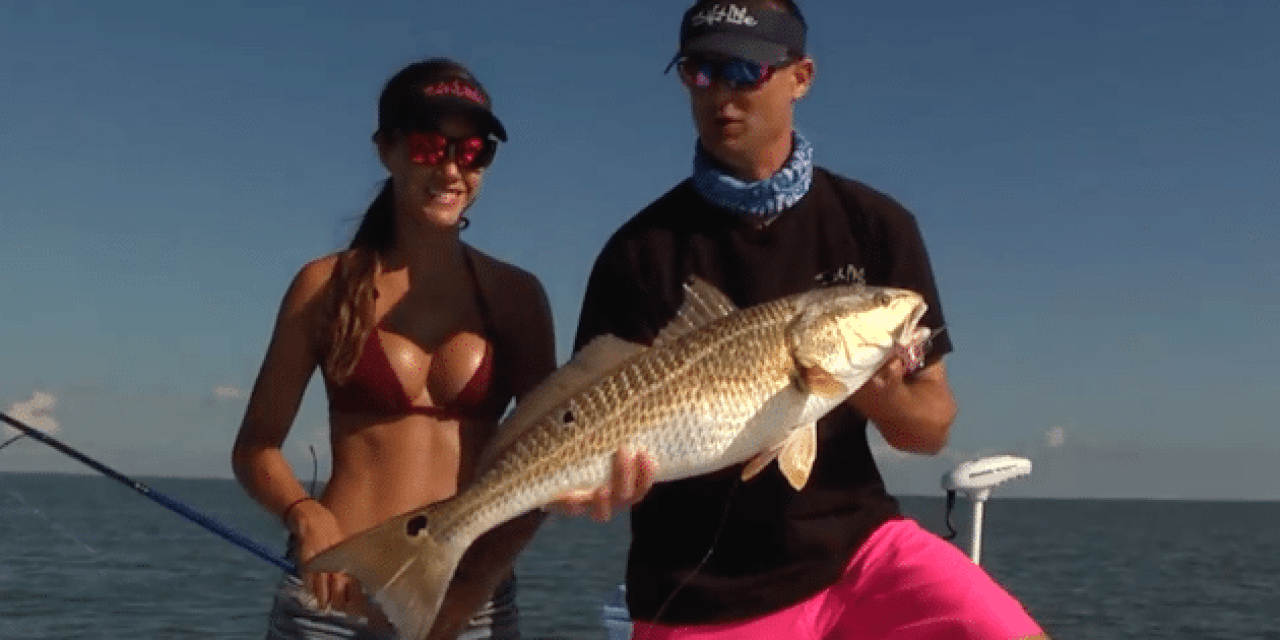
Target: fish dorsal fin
[599, 358]
[703, 304]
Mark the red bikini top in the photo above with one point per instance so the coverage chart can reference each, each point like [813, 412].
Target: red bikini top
[373, 387]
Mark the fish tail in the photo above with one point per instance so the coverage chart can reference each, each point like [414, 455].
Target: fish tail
[404, 565]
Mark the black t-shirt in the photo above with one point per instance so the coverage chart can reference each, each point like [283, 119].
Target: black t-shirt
[770, 546]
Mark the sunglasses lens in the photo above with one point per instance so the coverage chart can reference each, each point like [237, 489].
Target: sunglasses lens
[740, 74]
[432, 149]
[470, 151]
[476, 153]
[734, 74]
[427, 148]
[695, 73]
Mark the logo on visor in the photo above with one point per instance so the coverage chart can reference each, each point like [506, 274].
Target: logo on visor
[454, 88]
[732, 14]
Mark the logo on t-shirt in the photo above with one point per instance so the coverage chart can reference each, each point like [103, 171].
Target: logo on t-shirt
[847, 274]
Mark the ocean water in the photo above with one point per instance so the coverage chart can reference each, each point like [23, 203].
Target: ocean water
[84, 557]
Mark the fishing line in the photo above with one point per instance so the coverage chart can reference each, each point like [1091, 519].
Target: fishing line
[315, 470]
[221, 530]
[724, 519]
[52, 523]
[12, 440]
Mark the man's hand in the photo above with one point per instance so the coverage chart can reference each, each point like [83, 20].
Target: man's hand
[632, 477]
[913, 411]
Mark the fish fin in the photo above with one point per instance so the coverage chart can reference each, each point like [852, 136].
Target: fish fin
[815, 379]
[602, 355]
[401, 566]
[598, 358]
[799, 451]
[703, 304]
[758, 463]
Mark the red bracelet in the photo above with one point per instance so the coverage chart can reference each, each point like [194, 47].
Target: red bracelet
[285, 515]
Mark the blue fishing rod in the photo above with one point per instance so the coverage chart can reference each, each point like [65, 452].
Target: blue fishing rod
[222, 530]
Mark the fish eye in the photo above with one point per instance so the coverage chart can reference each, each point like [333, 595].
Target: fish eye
[415, 525]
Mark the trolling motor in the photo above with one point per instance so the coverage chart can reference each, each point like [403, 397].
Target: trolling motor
[975, 479]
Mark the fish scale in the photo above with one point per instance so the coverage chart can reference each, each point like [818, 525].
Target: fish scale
[720, 386]
[648, 382]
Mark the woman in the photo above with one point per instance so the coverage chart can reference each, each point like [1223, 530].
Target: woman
[422, 342]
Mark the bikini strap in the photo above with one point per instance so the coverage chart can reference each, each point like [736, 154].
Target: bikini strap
[486, 314]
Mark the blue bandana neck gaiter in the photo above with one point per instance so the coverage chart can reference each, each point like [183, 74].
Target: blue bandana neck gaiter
[761, 201]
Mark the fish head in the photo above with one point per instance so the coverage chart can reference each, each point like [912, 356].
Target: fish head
[848, 333]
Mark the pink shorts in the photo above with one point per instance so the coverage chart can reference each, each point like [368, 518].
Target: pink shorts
[904, 583]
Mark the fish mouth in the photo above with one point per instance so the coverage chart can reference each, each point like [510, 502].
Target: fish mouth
[910, 328]
[913, 342]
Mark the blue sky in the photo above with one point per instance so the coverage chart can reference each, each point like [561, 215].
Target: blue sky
[1098, 183]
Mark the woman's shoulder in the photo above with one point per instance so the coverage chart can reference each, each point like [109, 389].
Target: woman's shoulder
[312, 279]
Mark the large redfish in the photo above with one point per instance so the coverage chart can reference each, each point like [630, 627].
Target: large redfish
[720, 386]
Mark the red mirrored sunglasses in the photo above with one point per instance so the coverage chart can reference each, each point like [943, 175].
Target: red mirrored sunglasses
[433, 149]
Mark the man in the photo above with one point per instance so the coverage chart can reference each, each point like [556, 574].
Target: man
[715, 557]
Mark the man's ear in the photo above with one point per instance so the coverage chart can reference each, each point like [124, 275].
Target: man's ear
[803, 71]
